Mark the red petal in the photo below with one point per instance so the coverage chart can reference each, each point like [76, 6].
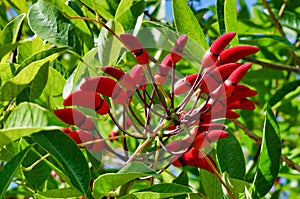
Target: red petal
[177, 50]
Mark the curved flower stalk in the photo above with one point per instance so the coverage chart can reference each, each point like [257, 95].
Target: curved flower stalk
[172, 124]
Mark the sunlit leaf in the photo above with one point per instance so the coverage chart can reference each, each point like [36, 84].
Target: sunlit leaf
[26, 119]
[269, 159]
[188, 24]
[51, 25]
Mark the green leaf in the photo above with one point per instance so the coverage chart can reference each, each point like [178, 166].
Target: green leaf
[111, 181]
[182, 179]
[107, 8]
[231, 157]
[188, 24]
[169, 188]
[29, 48]
[221, 16]
[26, 119]
[137, 167]
[290, 20]
[283, 91]
[150, 195]
[59, 193]
[47, 55]
[108, 46]
[82, 30]
[8, 35]
[37, 176]
[7, 71]
[127, 13]
[39, 82]
[50, 24]
[66, 153]
[8, 171]
[210, 185]
[13, 87]
[230, 19]
[239, 188]
[270, 156]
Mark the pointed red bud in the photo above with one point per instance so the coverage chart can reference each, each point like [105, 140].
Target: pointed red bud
[235, 78]
[136, 47]
[236, 53]
[80, 136]
[221, 42]
[87, 99]
[177, 50]
[74, 117]
[230, 114]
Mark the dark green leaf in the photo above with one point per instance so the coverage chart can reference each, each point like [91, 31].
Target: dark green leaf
[290, 19]
[221, 16]
[231, 157]
[39, 82]
[27, 116]
[269, 159]
[182, 179]
[37, 176]
[66, 153]
[111, 181]
[188, 24]
[50, 24]
[8, 171]
[283, 91]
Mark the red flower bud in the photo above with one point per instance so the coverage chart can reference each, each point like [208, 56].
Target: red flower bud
[136, 47]
[164, 69]
[74, 117]
[89, 100]
[221, 42]
[177, 50]
[235, 78]
[236, 53]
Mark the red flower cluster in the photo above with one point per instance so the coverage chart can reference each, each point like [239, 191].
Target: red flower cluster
[210, 95]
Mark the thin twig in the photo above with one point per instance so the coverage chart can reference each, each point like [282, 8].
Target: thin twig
[280, 29]
[258, 141]
[273, 66]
